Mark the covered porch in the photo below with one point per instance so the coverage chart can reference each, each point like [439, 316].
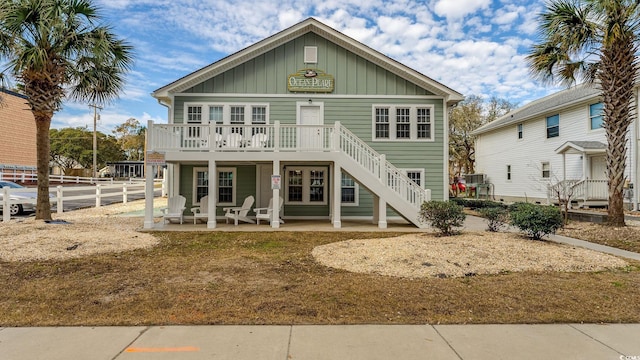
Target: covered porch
[584, 173]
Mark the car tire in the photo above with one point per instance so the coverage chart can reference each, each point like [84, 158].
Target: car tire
[15, 209]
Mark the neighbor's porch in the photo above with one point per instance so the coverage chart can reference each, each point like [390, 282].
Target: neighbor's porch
[588, 186]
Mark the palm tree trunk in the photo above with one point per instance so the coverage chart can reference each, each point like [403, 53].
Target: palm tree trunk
[618, 71]
[43, 206]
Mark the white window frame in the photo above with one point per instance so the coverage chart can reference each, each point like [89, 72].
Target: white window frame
[509, 176]
[591, 117]
[356, 191]
[413, 121]
[232, 170]
[226, 111]
[547, 127]
[520, 131]
[416, 170]
[548, 169]
[306, 185]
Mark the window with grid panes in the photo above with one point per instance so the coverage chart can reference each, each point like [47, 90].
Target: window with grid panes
[415, 176]
[225, 187]
[382, 123]
[258, 117]
[237, 118]
[423, 118]
[295, 185]
[202, 184]
[316, 186]
[348, 189]
[403, 123]
[216, 116]
[194, 116]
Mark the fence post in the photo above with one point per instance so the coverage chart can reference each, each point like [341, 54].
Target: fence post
[124, 193]
[6, 207]
[98, 194]
[59, 201]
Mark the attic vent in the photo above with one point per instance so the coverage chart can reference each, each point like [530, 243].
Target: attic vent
[311, 54]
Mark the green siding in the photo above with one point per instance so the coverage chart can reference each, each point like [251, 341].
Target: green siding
[267, 73]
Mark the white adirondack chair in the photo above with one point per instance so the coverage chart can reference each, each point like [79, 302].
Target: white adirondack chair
[240, 213]
[267, 213]
[174, 209]
[200, 212]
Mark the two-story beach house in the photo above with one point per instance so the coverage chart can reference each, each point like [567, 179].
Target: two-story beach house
[556, 141]
[309, 117]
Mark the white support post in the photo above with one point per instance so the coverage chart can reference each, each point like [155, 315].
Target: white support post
[124, 193]
[336, 136]
[382, 214]
[60, 199]
[275, 203]
[376, 212]
[337, 195]
[211, 206]
[98, 195]
[276, 136]
[148, 197]
[6, 213]
[165, 173]
[382, 167]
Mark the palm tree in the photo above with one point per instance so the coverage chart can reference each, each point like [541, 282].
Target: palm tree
[57, 48]
[595, 41]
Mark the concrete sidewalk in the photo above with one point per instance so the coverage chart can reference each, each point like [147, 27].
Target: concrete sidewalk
[370, 342]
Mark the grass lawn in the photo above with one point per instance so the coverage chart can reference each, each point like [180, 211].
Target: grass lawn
[271, 278]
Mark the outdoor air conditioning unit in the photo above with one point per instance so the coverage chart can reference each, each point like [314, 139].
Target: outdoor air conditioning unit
[475, 178]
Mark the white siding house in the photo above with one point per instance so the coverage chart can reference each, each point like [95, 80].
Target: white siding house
[555, 139]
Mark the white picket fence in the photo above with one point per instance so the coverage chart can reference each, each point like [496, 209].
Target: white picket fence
[26, 177]
[62, 194]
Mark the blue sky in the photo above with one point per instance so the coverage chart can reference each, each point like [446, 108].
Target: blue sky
[476, 47]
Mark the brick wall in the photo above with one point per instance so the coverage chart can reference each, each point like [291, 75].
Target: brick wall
[17, 131]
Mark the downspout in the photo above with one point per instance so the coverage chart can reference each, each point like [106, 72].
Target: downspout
[634, 164]
[445, 140]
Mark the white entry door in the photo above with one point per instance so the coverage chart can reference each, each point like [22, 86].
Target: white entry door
[598, 168]
[311, 135]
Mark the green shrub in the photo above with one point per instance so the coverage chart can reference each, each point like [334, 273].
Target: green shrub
[536, 221]
[497, 217]
[443, 215]
[475, 204]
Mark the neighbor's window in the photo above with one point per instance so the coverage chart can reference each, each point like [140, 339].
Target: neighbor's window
[595, 116]
[520, 131]
[546, 170]
[508, 172]
[553, 126]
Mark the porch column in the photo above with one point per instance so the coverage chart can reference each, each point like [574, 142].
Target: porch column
[382, 213]
[148, 197]
[211, 206]
[585, 167]
[376, 202]
[564, 167]
[337, 195]
[275, 203]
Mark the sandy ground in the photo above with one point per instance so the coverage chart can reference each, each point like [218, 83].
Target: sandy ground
[112, 229]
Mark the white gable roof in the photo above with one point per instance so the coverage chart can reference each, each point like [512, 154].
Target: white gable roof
[308, 25]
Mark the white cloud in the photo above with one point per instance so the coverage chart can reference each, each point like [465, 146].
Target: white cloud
[458, 9]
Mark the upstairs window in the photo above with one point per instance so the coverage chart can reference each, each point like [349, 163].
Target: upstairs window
[520, 131]
[403, 123]
[553, 126]
[596, 118]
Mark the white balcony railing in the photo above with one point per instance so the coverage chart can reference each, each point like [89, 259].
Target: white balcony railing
[278, 137]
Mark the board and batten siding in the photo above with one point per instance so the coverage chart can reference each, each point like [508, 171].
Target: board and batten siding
[501, 147]
[267, 73]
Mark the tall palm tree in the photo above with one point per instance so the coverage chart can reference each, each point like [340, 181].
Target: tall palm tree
[595, 41]
[58, 48]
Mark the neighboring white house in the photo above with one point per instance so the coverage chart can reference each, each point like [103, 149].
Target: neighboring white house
[554, 139]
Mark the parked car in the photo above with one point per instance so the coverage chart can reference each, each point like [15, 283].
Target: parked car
[28, 196]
